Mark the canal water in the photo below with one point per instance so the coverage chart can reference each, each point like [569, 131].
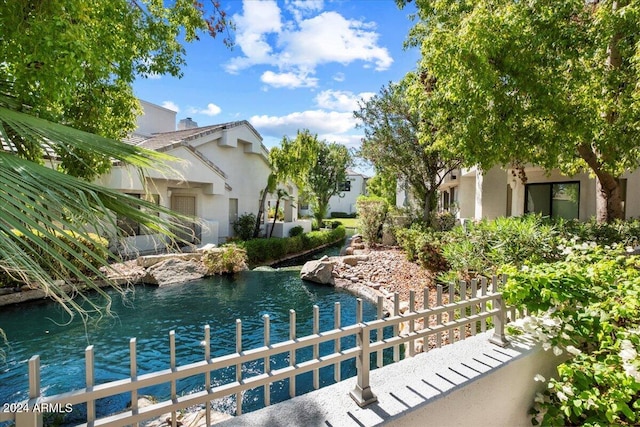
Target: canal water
[149, 314]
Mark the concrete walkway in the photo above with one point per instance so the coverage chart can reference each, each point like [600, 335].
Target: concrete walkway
[468, 383]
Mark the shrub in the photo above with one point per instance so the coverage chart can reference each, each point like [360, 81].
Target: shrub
[80, 244]
[624, 232]
[243, 226]
[422, 246]
[342, 215]
[587, 306]
[261, 250]
[479, 248]
[227, 259]
[296, 231]
[372, 212]
[442, 221]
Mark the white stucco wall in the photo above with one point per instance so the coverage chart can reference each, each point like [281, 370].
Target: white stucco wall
[466, 197]
[246, 170]
[346, 200]
[155, 119]
[633, 192]
[491, 194]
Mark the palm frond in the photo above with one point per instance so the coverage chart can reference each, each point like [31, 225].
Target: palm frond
[41, 209]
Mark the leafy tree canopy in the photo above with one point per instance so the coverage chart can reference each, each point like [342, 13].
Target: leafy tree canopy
[73, 62]
[399, 141]
[325, 176]
[548, 83]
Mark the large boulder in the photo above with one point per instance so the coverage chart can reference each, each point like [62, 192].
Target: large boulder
[151, 260]
[319, 271]
[174, 270]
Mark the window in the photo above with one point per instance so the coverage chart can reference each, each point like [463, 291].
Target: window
[129, 227]
[344, 186]
[554, 199]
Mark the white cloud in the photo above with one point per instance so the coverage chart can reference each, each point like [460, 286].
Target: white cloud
[170, 105]
[289, 80]
[302, 8]
[329, 37]
[211, 110]
[298, 46]
[339, 77]
[259, 19]
[341, 100]
[348, 140]
[317, 121]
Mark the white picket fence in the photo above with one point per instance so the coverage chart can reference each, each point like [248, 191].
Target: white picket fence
[466, 311]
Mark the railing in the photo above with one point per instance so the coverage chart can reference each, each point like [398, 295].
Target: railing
[455, 314]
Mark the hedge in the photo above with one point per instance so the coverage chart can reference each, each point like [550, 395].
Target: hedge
[262, 250]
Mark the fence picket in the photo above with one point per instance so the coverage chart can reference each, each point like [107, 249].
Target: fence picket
[463, 296]
[172, 364]
[90, 379]
[238, 365]
[292, 353]
[337, 323]
[207, 375]
[267, 359]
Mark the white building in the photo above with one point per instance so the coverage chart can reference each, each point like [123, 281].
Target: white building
[475, 194]
[220, 173]
[354, 186]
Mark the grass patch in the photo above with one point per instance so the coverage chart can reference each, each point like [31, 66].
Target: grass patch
[350, 222]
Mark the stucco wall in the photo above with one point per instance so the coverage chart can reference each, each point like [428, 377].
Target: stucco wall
[346, 201]
[155, 119]
[491, 194]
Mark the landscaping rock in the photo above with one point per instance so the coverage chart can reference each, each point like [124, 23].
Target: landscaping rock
[353, 260]
[320, 271]
[151, 260]
[174, 270]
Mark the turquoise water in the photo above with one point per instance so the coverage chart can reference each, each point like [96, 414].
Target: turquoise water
[149, 314]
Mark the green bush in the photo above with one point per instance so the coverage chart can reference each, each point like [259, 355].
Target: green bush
[624, 232]
[227, 259]
[80, 244]
[479, 248]
[261, 250]
[342, 215]
[243, 226]
[422, 246]
[296, 231]
[372, 212]
[587, 306]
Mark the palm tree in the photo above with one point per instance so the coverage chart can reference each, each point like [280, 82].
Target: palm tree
[41, 208]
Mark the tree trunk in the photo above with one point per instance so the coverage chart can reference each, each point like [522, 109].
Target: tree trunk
[275, 216]
[263, 199]
[608, 192]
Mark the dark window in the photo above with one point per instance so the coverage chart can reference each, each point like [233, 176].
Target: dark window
[344, 186]
[554, 199]
[129, 227]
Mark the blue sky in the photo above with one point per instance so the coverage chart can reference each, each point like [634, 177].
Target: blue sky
[296, 64]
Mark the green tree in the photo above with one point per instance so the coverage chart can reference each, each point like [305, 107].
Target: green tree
[290, 161]
[73, 62]
[398, 140]
[325, 176]
[552, 84]
[68, 64]
[383, 185]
